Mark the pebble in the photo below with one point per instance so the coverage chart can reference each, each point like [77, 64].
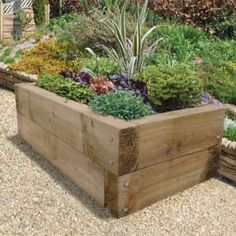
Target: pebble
[36, 199]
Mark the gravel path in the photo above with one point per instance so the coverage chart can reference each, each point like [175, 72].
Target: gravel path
[35, 199]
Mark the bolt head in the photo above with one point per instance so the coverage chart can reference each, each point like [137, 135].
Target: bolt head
[126, 209]
[111, 138]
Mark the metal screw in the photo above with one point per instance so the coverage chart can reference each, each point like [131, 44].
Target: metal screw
[126, 209]
[126, 184]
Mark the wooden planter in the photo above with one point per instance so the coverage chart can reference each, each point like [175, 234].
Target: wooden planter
[227, 162]
[124, 166]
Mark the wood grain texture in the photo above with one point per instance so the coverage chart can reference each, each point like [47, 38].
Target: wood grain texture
[144, 187]
[53, 114]
[169, 135]
[97, 137]
[80, 169]
[9, 23]
[227, 166]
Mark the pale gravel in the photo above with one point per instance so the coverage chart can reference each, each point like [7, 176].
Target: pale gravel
[35, 199]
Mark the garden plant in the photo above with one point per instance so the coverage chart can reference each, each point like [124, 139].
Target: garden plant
[119, 48]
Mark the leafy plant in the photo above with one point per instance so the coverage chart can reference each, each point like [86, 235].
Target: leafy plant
[19, 53]
[108, 4]
[230, 114]
[130, 53]
[122, 82]
[228, 122]
[171, 88]
[82, 78]
[6, 56]
[225, 26]
[219, 80]
[87, 31]
[206, 98]
[39, 11]
[230, 133]
[102, 85]
[185, 43]
[57, 25]
[197, 12]
[121, 104]
[65, 88]
[47, 56]
[102, 66]
[24, 20]
[180, 44]
[7, 51]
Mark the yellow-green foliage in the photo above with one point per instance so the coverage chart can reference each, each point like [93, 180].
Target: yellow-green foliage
[46, 57]
[171, 88]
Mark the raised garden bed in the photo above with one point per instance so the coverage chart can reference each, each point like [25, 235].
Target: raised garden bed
[124, 166]
[9, 78]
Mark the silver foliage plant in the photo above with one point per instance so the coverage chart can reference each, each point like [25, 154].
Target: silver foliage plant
[130, 53]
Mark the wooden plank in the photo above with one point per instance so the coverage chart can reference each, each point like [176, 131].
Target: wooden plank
[227, 175]
[177, 133]
[51, 112]
[1, 21]
[9, 29]
[227, 166]
[228, 159]
[102, 140]
[144, 187]
[84, 172]
[98, 137]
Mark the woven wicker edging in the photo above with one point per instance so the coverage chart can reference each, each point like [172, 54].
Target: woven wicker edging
[8, 78]
[227, 162]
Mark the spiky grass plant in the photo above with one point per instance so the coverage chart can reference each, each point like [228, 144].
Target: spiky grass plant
[130, 53]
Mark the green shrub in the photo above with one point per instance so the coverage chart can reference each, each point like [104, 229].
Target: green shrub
[233, 95]
[89, 32]
[230, 133]
[5, 57]
[24, 20]
[224, 26]
[180, 44]
[7, 51]
[171, 88]
[58, 25]
[65, 88]
[184, 43]
[218, 50]
[19, 53]
[219, 80]
[122, 104]
[105, 66]
[39, 11]
[50, 56]
[230, 114]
